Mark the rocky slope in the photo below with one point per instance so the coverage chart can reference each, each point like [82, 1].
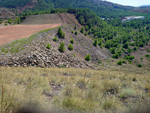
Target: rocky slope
[35, 52]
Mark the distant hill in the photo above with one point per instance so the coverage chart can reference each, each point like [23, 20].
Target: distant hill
[145, 9]
[5, 13]
[145, 5]
[101, 8]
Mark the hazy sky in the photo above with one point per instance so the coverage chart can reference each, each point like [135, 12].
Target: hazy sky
[131, 2]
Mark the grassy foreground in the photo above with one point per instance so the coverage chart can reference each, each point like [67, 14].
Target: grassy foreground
[75, 90]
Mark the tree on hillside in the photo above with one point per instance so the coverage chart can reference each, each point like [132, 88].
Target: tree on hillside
[62, 47]
[70, 47]
[82, 30]
[95, 43]
[75, 27]
[87, 57]
[60, 33]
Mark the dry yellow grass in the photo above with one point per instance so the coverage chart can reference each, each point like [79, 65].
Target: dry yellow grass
[79, 90]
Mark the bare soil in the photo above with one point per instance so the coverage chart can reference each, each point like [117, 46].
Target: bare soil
[33, 24]
[14, 32]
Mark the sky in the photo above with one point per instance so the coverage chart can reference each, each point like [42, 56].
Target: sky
[131, 2]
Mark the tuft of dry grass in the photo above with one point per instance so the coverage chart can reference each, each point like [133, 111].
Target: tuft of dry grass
[76, 90]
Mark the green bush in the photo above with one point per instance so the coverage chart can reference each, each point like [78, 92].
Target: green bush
[113, 50]
[139, 65]
[135, 48]
[75, 27]
[70, 47]
[148, 56]
[95, 43]
[60, 33]
[85, 33]
[76, 33]
[62, 47]
[116, 56]
[55, 39]
[72, 31]
[87, 57]
[126, 46]
[72, 41]
[99, 62]
[148, 50]
[82, 30]
[48, 46]
[129, 58]
[119, 62]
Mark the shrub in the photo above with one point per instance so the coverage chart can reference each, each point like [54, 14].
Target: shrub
[72, 41]
[72, 31]
[119, 62]
[82, 30]
[148, 56]
[48, 46]
[70, 47]
[135, 48]
[55, 39]
[129, 50]
[139, 65]
[141, 58]
[126, 46]
[76, 33]
[116, 56]
[60, 33]
[99, 62]
[113, 50]
[62, 47]
[129, 58]
[75, 27]
[108, 61]
[87, 57]
[85, 33]
[148, 50]
[95, 43]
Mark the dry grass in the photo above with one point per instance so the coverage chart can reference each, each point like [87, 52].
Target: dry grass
[72, 89]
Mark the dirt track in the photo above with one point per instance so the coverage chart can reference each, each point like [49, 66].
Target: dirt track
[14, 32]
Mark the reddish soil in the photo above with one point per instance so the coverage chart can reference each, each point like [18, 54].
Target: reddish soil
[14, 32]
[30, 5]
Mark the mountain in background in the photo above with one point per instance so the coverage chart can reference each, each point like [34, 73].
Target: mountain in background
[145, 5]
[101, 8]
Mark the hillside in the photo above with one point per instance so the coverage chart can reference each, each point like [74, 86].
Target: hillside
[54, 90]
[73, 61]
[120, 42]
[101, 8]
[6, 13]
[34, 24]
[143, 9]
[35, 53]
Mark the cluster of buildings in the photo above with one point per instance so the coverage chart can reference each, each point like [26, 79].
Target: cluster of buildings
[129, 18]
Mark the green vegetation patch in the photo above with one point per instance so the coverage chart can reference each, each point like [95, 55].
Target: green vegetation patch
[17, 45]
[87, 57]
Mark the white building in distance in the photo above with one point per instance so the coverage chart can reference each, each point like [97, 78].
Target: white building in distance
[130, 18]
